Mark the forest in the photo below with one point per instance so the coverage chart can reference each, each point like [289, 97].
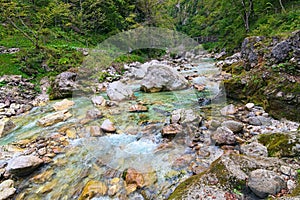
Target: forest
[49, 31]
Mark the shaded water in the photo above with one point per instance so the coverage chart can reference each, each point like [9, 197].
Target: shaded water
[136, 145]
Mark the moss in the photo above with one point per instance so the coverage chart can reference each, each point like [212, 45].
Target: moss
[278, 144]
[181, 189]
[217, 169]
[296, 191]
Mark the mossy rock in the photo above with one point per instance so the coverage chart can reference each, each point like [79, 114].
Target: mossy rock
[281, 144]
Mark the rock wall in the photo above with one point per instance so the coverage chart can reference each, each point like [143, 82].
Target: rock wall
[267, 72]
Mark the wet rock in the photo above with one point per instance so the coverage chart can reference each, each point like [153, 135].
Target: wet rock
[108, 126]
[43, 177]
[63, 85]
[95, 131]
[224, 136]
[23, 165]
[63, 105]
[134, 177]
[6, 125]
[92, 189]
[138, 108]
[171, 130]
[98, 101]
[71, 133]
[214, 124]
[254, 149]
[189, 120]
[264, 182]
[228, 110]
[234, 126]
[162, 78]
[118, 91]
[7, 189]
[93, 114]
[54, 118]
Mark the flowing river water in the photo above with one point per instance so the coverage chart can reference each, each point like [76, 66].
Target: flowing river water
[137, 144]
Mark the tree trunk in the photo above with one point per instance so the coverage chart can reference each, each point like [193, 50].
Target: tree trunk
[282, 7]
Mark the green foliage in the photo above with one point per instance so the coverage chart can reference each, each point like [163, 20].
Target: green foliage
[225, 19]
[285, 67]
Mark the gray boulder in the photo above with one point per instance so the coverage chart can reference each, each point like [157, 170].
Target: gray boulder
[254, 149]
[281, 51]
[234, 126]
[264, 182]
[188, 119]
[23, 165]
[228, 110]
[118, 91]
[224, 136]
[63, 85]
[162, 78]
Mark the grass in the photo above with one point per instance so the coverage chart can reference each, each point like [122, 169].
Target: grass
[10, 65]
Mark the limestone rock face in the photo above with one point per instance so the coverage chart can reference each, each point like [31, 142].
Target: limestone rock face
[23, 165]
[162, 78]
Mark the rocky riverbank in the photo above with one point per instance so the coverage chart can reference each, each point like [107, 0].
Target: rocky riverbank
[266, 72]
[161, 124]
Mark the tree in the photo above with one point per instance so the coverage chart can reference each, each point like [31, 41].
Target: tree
[246, 10]
[31, 20]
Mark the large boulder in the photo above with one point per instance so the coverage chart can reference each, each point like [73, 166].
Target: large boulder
[264, 182]
[54, 118]
[63, 85]
[188, 119]
[234, 126]
[224, 136]
[162, 78]
[23, 165]
[281, 51]
[118, 91]
[254, 149]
